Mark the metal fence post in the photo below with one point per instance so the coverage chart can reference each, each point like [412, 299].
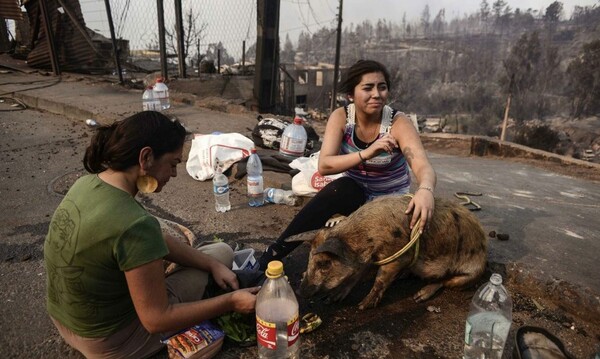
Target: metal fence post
[180, 38]
[244, 57]
[161, 40]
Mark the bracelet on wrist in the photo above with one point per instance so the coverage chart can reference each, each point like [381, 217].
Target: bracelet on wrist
[361, 157]
[427, 188]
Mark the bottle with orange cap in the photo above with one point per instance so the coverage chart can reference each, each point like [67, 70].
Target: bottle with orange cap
[277, 322]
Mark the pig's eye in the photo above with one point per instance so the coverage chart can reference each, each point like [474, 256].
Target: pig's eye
[323, 265]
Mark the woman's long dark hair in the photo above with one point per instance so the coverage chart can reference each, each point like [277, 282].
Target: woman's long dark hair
[354, 74]
[118, 146]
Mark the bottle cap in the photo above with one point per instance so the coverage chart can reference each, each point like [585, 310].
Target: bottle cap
[496, 279]
[253, 150]
[297, 120]
[274, 269]
[159, 79]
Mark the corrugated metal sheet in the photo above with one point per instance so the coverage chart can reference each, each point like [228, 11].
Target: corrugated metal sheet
[10, 9]
[73, 47]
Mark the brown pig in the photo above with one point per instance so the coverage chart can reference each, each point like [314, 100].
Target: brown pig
[452, 250]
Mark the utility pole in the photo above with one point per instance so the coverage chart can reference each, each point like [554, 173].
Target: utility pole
[336, 68]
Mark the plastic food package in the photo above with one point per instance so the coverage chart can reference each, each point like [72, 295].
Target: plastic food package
[202, 341]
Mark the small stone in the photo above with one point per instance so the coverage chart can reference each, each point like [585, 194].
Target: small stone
[433, 309]
[492, 234]
[502, 237]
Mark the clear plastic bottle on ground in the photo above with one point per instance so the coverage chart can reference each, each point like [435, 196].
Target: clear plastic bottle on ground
[489, 320]
[149, 103]
[161, 92]
[221, 189]
[293, 139]
[280, 196]
[277, 321]
[255, 180]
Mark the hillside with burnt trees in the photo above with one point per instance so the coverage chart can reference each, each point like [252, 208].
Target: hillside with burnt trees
[544, 67]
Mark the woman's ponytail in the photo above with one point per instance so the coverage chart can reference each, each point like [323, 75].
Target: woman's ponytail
[94, 159]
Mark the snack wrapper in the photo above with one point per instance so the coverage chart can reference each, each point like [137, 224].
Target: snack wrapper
[201, 341]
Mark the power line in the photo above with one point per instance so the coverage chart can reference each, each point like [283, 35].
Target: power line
[303, 26]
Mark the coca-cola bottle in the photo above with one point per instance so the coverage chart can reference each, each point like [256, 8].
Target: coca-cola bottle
[277, 322]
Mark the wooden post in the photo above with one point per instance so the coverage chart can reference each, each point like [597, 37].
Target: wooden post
[50, 38]
[114, 40]
[505, 122]
[266, 76]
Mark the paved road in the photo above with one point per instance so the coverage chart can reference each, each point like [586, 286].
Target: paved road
[553, 220]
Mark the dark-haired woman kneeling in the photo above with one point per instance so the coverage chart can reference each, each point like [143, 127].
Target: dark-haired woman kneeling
[107, 291]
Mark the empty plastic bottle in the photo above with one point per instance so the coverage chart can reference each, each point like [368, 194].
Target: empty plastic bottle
[149, 103]
[221, 189]
[293, 139]
[277, 322]
[489, 320]
[161, 92]
[255, 180]
[280, 196]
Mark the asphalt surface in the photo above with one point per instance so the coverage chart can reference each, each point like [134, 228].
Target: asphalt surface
[552, 220]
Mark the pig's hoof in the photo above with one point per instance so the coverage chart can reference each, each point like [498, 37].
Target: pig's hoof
[368, 303]
[335, 219]
[427, 292]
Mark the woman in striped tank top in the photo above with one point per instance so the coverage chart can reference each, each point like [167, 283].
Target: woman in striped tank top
[373, 146]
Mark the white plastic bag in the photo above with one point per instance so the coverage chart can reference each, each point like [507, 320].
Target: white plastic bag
[227, 147]
[309, 181]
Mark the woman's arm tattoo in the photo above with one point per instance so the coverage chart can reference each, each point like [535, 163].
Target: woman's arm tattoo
[408, 153]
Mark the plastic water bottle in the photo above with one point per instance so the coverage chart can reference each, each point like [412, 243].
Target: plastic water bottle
[277, 322]
[221, 189]
[293, 139]
[279, 196]
[255, 180]
[489, 320]
[161, 92]
[149, 103]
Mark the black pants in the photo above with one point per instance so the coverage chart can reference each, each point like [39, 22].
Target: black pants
[342, 196]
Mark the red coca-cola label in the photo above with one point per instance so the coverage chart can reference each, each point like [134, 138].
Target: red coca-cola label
[293, 330]
[266, 332]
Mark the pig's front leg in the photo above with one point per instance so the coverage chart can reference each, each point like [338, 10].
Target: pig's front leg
[385, 276]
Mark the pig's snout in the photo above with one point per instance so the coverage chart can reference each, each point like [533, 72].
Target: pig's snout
[307, 289]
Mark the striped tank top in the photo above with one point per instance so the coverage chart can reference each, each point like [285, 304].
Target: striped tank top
[380, 175]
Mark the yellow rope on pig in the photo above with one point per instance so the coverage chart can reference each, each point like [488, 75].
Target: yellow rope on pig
[415, 234]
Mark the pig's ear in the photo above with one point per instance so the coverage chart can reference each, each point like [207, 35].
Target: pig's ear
[302, 237]
[334, 246]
